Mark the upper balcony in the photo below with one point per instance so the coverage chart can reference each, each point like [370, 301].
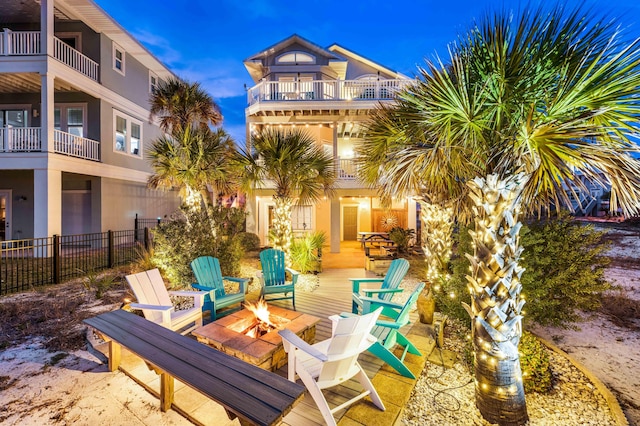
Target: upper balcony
[27, 43]
[321, 94]
[28, 139]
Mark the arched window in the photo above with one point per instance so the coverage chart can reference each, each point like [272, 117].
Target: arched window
[296, 58]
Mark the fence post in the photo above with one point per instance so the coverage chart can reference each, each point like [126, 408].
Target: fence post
[135, 228]
[147, 239]
[57, 273]
[111, 250]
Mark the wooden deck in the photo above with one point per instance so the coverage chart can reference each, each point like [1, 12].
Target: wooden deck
[332, 296]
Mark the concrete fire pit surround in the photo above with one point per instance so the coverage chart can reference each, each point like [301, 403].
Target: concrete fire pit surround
[265, 351]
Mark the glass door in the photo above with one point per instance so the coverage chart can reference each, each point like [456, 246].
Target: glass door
[5, 215]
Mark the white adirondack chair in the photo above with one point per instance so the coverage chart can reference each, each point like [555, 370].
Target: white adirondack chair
[333, 361]
[155, 303]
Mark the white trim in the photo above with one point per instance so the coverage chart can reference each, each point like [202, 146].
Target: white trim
[114, 60]
[127, 136]
[63, 107]
[72, 34]
[295, 54]
[153, 86]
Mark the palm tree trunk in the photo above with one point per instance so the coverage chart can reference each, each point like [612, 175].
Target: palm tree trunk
[496, 304]
[437, 226]
[281, 230]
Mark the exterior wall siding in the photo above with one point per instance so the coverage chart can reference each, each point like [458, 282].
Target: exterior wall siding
[21, 182]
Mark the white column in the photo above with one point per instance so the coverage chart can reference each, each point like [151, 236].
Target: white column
[411, 214]
[46, 112]
[335, 225]
[46, 27]
[47, 202]
[251, 207]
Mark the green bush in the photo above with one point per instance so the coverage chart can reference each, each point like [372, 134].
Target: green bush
[535, 364]
[249, 241]
[564, 272]
[564, 265]
[306, 252]
[210, 232]
[451, 291]
[402, 238]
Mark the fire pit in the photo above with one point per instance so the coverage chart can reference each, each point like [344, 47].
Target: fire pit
[242, 335]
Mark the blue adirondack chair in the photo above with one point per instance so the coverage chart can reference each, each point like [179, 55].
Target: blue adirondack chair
[207, 272]
[388, 331]
[273, 276]
[397, 270]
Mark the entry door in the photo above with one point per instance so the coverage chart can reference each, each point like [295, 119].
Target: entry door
[350, 223]
[5, 215]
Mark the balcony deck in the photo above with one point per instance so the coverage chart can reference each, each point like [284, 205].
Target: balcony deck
[29, 139]
[28, 43]
[275, 96]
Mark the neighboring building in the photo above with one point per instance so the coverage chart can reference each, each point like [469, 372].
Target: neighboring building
[74, 121]
[330, 92]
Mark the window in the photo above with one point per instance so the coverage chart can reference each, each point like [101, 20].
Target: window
[69, 119]
[118, 58]
[296, 58]
[127, 134]
[153, 82]
[301, 218]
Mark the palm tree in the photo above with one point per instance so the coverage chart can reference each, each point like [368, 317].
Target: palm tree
[179, 103]
[400, 159]
[194, 159]
[549, 99]
[296, 166]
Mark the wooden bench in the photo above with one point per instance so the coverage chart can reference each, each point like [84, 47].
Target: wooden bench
[253, 395]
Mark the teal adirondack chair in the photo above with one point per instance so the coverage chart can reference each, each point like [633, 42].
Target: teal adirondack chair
[207, 272]
[388, 331]
[273, 276]
[397, 270]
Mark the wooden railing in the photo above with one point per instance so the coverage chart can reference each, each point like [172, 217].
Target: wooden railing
[76, 60]
[29, 139]
[346, 169]
[28, 43]
[20, 42]
[20, 139]
[76, 146]
[325, 90]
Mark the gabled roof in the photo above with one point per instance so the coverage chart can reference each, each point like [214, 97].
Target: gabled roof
[254, 63]
[343, 51]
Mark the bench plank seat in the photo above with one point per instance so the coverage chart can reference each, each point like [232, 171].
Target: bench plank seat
[254, 395]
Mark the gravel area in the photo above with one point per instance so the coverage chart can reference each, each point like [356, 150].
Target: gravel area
[446, 396]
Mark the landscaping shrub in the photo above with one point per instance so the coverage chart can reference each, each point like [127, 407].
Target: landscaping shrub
[535, 364]
[306, 252]
[564, 272]
[249, 241]
[451, 291]
[565, 263]
[402, 238]
[211, 232]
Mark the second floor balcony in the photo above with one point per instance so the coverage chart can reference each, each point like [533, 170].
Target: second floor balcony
[29, 139]
[28, 43]
[324, 91]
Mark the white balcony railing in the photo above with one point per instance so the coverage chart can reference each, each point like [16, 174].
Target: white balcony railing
[325, 90]
[75, 146]
[76, 60]
[20, 139]
[346, 169]
[20, 43]
[28, 139]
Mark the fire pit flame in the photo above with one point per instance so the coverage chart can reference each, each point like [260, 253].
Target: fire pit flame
[263, 323]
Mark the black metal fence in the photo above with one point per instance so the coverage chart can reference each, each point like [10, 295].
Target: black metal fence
[29, 263]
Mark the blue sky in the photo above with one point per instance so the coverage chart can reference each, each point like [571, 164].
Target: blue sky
[207, 40]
